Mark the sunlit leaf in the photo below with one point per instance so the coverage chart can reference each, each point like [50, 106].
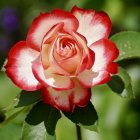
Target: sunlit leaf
[44, 112]
[8, 91]
[128, 43]
[84, 116]
[13, 115]
[27, 98]
[37, 132]
[91, 127]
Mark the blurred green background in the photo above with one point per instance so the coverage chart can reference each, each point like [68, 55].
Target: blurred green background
[119, 118]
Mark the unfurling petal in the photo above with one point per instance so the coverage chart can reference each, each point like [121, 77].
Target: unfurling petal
[93, 26]
[19, 66]
[43, 23]
[105, 53]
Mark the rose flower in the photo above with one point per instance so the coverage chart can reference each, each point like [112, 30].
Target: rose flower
[64, 55]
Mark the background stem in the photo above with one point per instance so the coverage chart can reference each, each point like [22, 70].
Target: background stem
[78, 130]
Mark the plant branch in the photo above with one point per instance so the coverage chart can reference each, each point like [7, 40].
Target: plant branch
[78, 130]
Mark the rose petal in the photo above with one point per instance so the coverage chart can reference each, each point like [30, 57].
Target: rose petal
[46, 48]
[71, 64]
[105, 53]
[45, 21]
[66, 54]
[91, 59]
[58, 99]
[89, 78]
[112, 68]
[57, 68]
[47, 78]
[87, 58]
[57, 28]
[67, 100]
[80, 96]
[18, 67]
[93, 26]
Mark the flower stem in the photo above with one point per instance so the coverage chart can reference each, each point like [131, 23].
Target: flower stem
[78, 130]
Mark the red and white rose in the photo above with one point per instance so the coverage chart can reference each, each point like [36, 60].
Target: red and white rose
[65, 54]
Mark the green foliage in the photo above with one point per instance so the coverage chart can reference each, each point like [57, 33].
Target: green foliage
[121, 84]
[2, 116]
[8, 91]
[33, 132]
[128, 91]
[53, 115]
[116, 84]
[44, 113]
[130, 128]
[84, 116]
[128, 43]
[12, 115]
[37, 132]
[28, 98]
[93, 127]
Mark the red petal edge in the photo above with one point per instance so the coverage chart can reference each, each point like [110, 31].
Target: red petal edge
[18, 67]
[68, 99]
[45, 21]
[94, 26]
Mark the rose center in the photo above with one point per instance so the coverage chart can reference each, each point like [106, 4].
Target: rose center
[66, 48]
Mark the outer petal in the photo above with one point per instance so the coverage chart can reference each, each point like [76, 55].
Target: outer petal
[19, 69]
[89, 78]
[105, 53]
[93, 26]
[68, 99]
[43, 23]
[49, 79]
[58, 99]
[80, 96]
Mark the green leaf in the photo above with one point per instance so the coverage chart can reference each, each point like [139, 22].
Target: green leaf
[51, 120]
[12, 116]
[37, 114]
[27, 98]
[121, 84]
[84, 116]
[2, 116]
[44, 112]
[128, 91]
[128, 43]
[116, 84]
[37, 132]
[8, 91]
[91, 127]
